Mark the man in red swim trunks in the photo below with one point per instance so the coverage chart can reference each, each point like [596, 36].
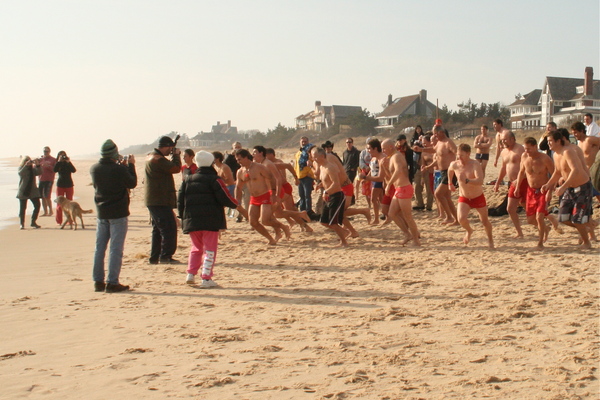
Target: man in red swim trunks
[511, 164]
[401, 207]
[536, 168]
[470, 179]
[262, 196]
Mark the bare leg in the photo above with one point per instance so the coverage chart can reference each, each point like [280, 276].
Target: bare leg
[542, 230]
[483, 217]
[511, 207]
[376, 195]
[463, 214]
[254, 214]
[444, 197]
[406, 211]
[339, 231]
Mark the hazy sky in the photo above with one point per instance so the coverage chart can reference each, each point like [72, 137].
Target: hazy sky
[77, 72]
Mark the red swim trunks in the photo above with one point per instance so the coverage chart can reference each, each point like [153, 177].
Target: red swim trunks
[260, 200]
[388, 196]
[404, 192]
[536, 202]
[522, 190]
[348, 190]
[477, 202]
[287, 188]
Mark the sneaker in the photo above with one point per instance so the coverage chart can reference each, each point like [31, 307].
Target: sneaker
[208, 283]
[170, 260]
[152, 261]
[191, 279]
[116, 287]
[239, 219]
[34, 225]
[21, 227]
[99, 286]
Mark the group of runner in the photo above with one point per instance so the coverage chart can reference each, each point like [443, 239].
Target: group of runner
[534, 177]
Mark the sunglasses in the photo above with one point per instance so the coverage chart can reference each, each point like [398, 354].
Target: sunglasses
[349, 142]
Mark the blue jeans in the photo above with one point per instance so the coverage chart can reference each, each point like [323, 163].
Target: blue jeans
[164, 233]
[305, 192]
[113, 230]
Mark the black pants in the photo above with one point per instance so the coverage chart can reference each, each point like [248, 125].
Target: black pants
[164, 233]
[23, 208]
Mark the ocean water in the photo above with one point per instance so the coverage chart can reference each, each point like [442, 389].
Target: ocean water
[9, 204]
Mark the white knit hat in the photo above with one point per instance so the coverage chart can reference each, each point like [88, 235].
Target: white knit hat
[204, 159]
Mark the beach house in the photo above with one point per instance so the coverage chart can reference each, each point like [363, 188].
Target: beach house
[323, 117]
[395, 109]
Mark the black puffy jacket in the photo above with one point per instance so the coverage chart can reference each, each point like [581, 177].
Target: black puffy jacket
[201, 201]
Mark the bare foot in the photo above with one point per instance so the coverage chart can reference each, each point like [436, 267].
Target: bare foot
[406, 240]
[278, 236]
[286, 230]
[467, 237]
[307, 228]
[518, 236]
[449, 222]
[547, 230]
[368, 215]
[347, 234]
[491, 245]
[375, 222]
[586, 246]
[343, 243]
[304, 216]
[354, 234]
[272, 242]
[539, 247]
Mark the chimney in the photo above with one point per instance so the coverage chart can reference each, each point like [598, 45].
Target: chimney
[423, 96]
[588, 82]
[390, 99]
[317, 104]
[218, 123]
[229, 123]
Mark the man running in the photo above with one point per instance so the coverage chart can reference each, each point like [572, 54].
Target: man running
[511, 165]
[576, 204]
[262, 196]
[536, 167]
[469, 175]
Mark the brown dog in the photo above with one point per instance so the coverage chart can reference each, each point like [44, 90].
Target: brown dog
[72, 210]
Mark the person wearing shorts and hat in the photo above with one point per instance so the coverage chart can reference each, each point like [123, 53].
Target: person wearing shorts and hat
[161, 199]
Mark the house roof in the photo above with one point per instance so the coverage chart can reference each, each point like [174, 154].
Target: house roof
[566, 88]
[401, 105]
[530, 99]
[345, 111]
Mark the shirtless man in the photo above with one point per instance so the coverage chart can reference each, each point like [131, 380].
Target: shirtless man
[576, 204]
[224, 172]
[500, 130]
[347, 188]
[469, 174]
[403, 193]
[259, 154]
[483, 143]
[375, 151]
[289, 211]
[511, 165]
[262, 195]
[536, 167]
[390, 149]
[588, 144]
[445, 151]
[333, 210]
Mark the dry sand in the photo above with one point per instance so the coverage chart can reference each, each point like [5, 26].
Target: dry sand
[303, 319]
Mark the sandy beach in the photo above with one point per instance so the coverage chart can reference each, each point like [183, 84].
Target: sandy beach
[303, 319]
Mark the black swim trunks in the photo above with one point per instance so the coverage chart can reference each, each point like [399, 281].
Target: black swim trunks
[444, 178]
[576, 204]
[482, 156]
[333, 210]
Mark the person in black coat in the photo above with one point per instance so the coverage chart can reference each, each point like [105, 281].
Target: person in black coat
[200, 205]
